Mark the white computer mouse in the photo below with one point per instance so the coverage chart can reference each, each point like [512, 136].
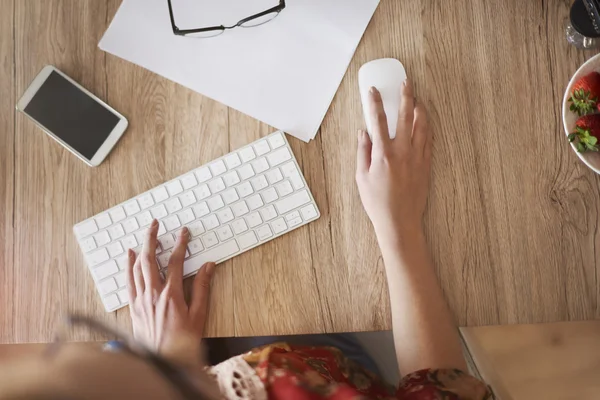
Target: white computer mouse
[388, 76]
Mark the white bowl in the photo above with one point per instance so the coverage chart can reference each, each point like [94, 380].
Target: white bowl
[591, 159]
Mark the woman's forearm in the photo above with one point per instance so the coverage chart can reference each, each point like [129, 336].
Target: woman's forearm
[425, 334]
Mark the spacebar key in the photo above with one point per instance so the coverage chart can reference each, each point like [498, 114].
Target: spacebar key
[215, 254]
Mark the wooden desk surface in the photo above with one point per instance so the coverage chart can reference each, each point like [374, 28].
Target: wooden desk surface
[512, 219]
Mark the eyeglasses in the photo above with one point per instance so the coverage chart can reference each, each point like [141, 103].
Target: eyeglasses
[188, 387]
[211, 31]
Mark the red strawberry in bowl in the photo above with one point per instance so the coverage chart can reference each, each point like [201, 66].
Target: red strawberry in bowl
[587, 132]
[585, 94]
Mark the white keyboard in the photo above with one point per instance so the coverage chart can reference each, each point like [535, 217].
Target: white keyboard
[230, 205]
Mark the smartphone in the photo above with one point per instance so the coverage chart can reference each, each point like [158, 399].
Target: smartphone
[75, 118]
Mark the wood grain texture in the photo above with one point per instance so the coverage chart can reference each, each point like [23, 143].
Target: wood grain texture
[538, 361]
[512, 219]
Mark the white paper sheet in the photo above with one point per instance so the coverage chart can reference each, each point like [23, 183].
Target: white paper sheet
[284, 73]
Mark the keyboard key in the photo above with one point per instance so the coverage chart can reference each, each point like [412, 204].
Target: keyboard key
[187, 199]
[171, 223]
[284, 189]
[174, 187]
[186, 216]
[106, 270]
[121, 279]
[247, 154]
[294, 222]
[160, 194]
[268, 213]
[86, 229]
[163, 259]
[215, 203]
[279, 156]
[196, 228]
[111, 302]
[269, 195]
[102, 238]
[246, 172]
[123, 263]
[260, 165]
[264, 232]
[98, 257]
[245, 189]
[259, 183]
[107, 286]
[276, 140]
[229, 196]
[203, 174]
[123, 296]
[117, 214]
[131, 225]
[166, 241]
[225, 215]
[239, 226]
[88, 244]
[240, 208]
[132, 208]
[161, 228]
[224, 233]
[279, 225]
[210, 222]
[173, 205]
[247, 240]
[308, 212]
[233, 161]
[254, 202]
[274, 175]
[253, 220]
[261, 147]
[129, 242]
[144, 218]
[103, 221]
[292, 215]
[189, 181]
[216, 185]
[114, 249]
[289, 169]
[297, 182]
[217, 168]
[116, 231]
[231, 178]
[201, 209]
[140, 236]
[210, 240]
[202, 192]
[215, 254]
[159, 212]
[294, 201]
[146, 201]
[195, 246]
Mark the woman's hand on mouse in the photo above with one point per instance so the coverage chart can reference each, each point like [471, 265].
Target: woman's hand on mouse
[161, 318]
[393, 174]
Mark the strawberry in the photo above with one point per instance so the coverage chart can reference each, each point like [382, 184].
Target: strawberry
[587, 130]
[585, 94]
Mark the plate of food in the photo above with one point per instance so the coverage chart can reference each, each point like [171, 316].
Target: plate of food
[581, 113]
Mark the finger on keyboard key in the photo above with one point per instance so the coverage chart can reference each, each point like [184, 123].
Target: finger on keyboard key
[105, 270]
[260, 165]
[107, 286]
[102, 238]
[276, 140]
[146, 201]
[174, 187]
[132, 207]
[103, 221]
[247, 154]
[247, 239]
[114, 249]
[166, 241]
[97, 257]
[203, 174]
[279, 156]
[261, 147]
[160, 194]
[279, 225]
[293, 201]
[189, 181]
[309, 212]
[217, 168]
[159, 212]
[196, 228]
[163, 259]
[246, 172]
[88, 244]
[86, 229]
[111, 302]
[201, 209]
[116, 231]
[264, 232]
[210, 240]
[216, 254]
[171, 223]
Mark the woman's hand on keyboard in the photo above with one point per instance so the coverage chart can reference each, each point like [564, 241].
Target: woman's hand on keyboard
[393, 174]
[160, 315]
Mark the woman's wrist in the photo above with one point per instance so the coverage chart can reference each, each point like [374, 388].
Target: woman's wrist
[400, 240]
